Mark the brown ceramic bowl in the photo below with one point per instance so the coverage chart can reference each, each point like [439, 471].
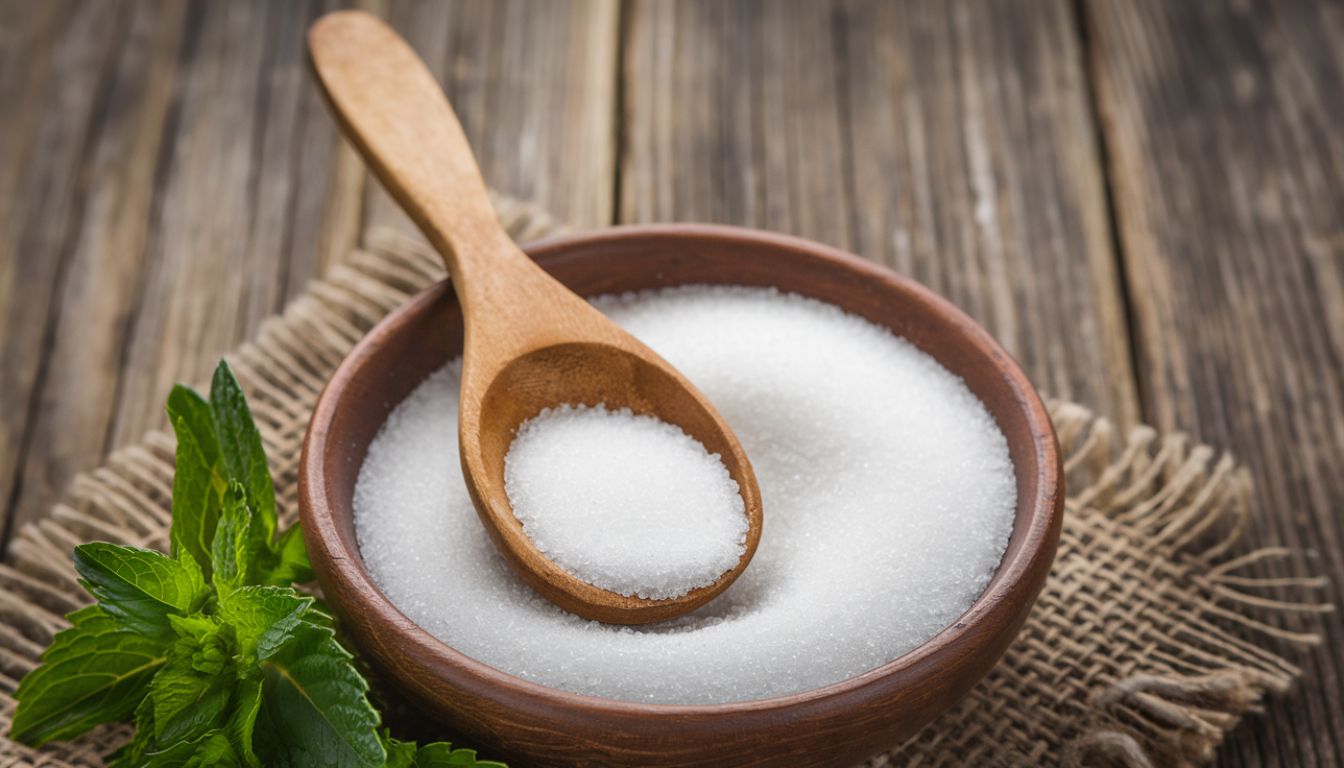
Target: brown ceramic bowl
[532, 724]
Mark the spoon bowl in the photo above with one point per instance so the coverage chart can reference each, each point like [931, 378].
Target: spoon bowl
[531, 343]
[590, 374]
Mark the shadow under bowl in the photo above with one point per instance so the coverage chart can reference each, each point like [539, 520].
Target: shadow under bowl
[838, 724]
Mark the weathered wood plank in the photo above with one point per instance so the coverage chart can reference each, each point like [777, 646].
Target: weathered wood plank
[196, 296]
[534, 86]
[952, 141]
[101, 283]
[328, 193]
[274, 185]
[56, 59]
[1222, 126]
[175, 191]
[228, 249]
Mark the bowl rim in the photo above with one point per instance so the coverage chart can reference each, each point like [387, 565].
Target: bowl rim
[1012, 589]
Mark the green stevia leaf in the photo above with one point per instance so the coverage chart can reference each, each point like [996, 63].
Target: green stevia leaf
[240, 548]
[186, 405]
[240, 446]
[265, 618]
[188, 703]
[195, 626]
[210, 750]
[400, 754]
[139, 587]
[95, 672]
[132, 752]
[314, 710]
[216, 752]
[243, 721]
[193, 568]
[197, 494]
[231, 548]
[292, 566]
[441, 754]
[198, 479]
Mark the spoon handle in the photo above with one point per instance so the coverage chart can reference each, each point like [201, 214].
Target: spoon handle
[393, 110]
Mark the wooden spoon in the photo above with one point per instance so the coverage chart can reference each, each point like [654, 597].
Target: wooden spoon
[530, 342]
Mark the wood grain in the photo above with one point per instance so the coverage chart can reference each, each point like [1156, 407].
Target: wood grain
[95, 299]
[1222, 125]
[202, 268]
[534, 86]
[170, 178]
[56, 72]
[951, 141]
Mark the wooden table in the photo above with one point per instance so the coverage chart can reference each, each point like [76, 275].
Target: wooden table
[1143, 200]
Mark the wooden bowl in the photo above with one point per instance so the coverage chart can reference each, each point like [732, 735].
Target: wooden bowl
[528, 723]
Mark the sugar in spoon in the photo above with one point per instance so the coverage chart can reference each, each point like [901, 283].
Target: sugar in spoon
[530, 343]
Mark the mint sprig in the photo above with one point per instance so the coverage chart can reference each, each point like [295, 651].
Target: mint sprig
[211, 651]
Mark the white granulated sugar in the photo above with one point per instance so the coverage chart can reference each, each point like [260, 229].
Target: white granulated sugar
[628, 503]
[887, 490]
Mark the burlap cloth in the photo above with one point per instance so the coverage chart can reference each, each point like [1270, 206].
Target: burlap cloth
[1146, 646]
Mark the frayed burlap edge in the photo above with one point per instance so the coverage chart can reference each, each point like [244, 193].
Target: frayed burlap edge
[1148, 642]
[1146, 646]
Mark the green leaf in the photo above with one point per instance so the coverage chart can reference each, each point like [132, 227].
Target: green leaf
[266, 618]
[206, 639]
[193, 568]
[400, 754]
[188, 703]
[240, 547]
[215, 751]
[243, 721]
[314, 708]
[132, 752]
[240, 446]
[95, 672]
[139, 587]
[198, 480]
[206, 751]
[441, 754]
[187, 406]
[292, 566]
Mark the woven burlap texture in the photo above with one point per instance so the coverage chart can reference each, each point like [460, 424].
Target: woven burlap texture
[1146, 646]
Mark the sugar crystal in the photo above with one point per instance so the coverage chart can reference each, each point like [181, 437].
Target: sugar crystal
[887, 490]
[626, 502]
